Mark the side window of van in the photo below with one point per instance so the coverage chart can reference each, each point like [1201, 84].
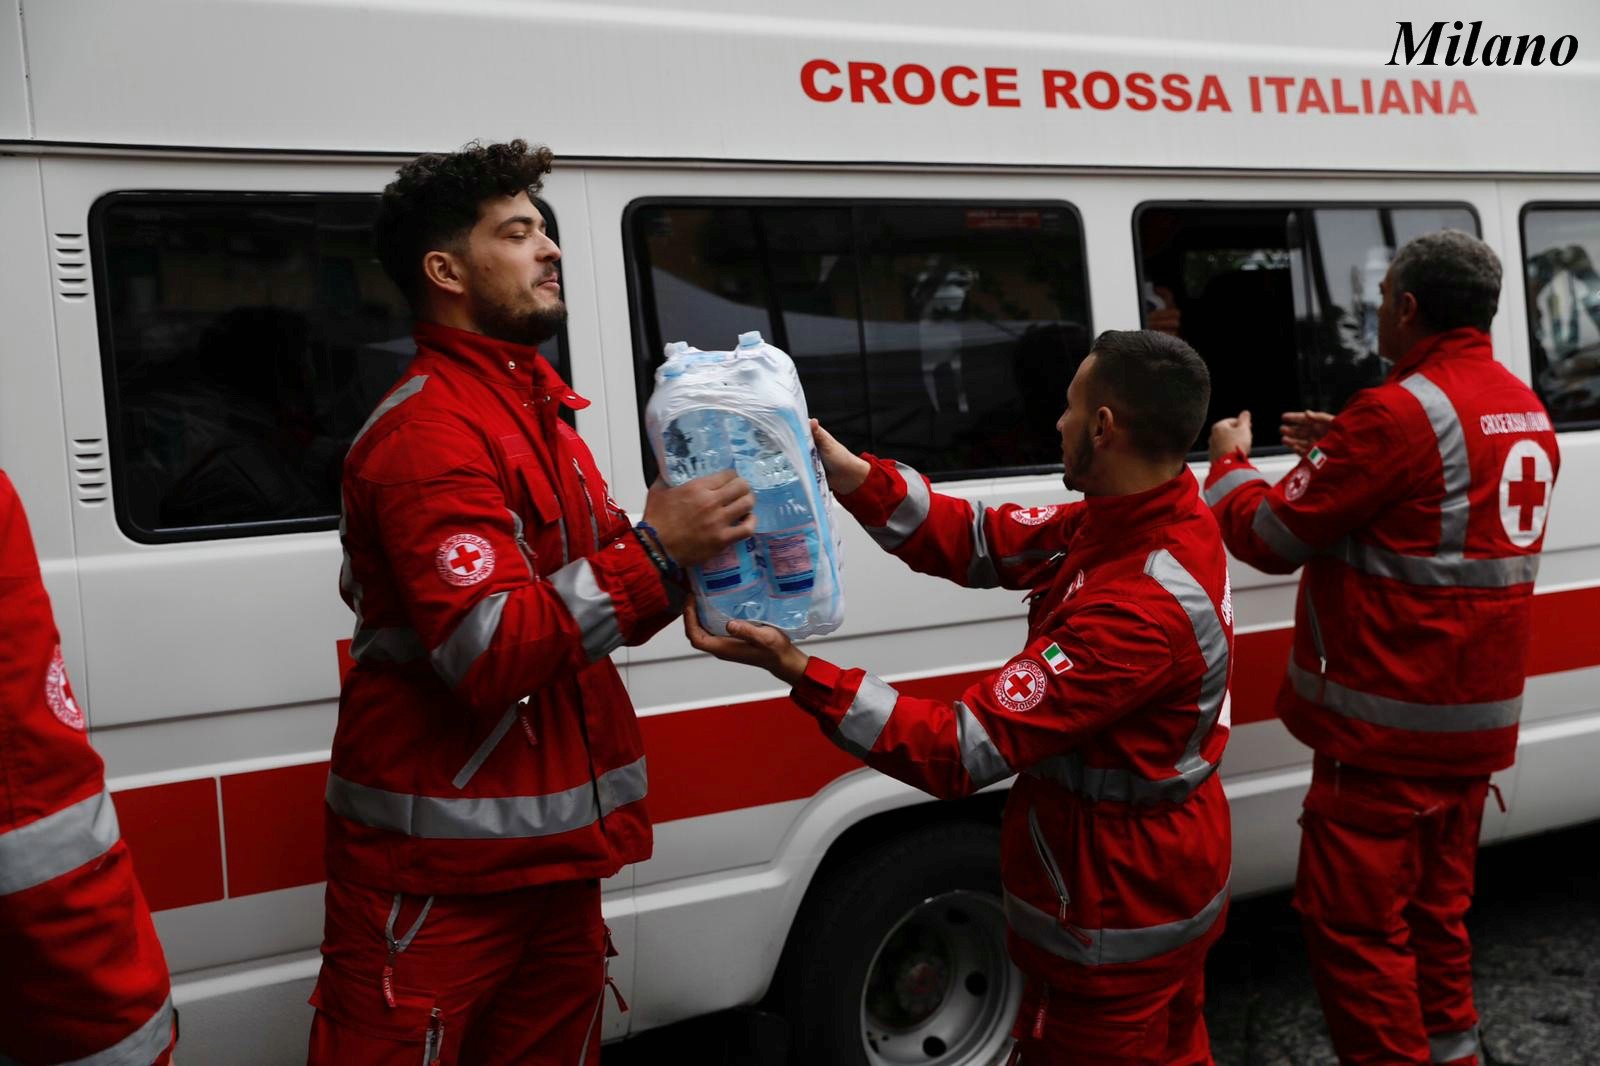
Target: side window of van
[244, 340]
[942, 334]
[1281, 300]
[1560, 249]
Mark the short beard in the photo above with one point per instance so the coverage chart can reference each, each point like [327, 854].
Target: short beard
[1082, 462]
[530, 328]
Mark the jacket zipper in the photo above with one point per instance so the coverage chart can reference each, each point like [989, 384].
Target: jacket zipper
[433, 1050]
[1048, 861]
[1316, 643]
[594, 523]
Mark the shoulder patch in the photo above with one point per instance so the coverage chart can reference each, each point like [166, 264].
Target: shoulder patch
[1020, 686]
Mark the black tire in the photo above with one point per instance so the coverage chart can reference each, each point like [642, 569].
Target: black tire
[939, 886]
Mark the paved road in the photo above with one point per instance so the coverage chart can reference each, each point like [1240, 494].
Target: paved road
[1536, 926]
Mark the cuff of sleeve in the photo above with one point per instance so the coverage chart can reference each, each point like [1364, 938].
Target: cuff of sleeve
[640, 590]
[817, 691]
[875, 499]
[1234, 460]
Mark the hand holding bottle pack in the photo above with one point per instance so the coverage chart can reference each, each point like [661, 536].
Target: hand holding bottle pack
[744, 410]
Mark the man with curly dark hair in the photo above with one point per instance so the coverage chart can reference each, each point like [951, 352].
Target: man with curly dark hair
[487, 766]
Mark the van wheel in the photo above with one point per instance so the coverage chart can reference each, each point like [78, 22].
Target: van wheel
[899, 958]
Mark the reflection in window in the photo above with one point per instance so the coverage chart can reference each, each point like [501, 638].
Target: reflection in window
[1560, 248]
[1281, 301]
[246, 338]
[943, 335]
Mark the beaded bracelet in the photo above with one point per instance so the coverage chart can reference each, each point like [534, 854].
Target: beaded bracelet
[650, 541]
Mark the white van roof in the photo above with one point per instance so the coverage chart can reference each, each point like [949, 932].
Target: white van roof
[1158, 83]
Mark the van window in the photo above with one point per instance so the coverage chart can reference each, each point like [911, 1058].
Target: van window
[244, 339]
[1560, 247]
[1280, 300]
[942, 334]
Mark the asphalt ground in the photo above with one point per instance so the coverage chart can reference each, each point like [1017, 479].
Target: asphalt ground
[1536, 934]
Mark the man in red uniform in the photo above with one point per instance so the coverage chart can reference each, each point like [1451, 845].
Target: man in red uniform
[1418, 518]
[83, 978]
[487, 766]
[1115, 840]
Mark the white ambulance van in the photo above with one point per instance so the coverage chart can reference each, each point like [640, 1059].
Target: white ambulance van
[932, 207]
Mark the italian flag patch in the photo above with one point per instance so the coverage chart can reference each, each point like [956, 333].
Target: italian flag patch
[1316, 457]
[1056, 659]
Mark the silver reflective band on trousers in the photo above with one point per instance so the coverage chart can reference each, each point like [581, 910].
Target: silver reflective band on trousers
[1403, 714]
[139, 1048]
[1106, 947]
[44, 849]
[1448, 1047]
[489, 817]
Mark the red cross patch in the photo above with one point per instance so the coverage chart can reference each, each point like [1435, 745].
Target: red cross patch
[1525, 483]
[1020, 686]
[58, 693]
[464, 559]
[1035, 516]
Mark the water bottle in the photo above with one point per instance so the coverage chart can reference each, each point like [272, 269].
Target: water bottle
[786, 536]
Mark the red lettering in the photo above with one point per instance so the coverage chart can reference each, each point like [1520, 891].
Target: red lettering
[1460, 99]
[1058, 88]
[1211, 94]
[947, 86]
[902, 83]
[1421, 95]
[808, 80]
[1000, 80]
[1339, 105]
[865, 78]
[1366, 95]
[1178, 97]
[1311, 98]
[1107, 99]
[1393, 99]
[1281, 86]
[1140, 96]
[1255, 93]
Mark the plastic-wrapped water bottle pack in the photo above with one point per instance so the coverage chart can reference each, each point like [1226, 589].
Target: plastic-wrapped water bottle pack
[744, 410]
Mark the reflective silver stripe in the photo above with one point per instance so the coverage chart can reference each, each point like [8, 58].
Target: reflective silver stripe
[44, 849]
[1454, 506]
[491, 742]
[393, 644]
[393, 400]
[1032, 555]
[1270, 528]
[1120, 786]
[1107, 947]
[490, 817]
[981, 572]
[1442, 571]
[470, 639]
[868, 713]
[1448, 1047]
[590, 606]
[139, 1048]
[1401, 714]
[1212, 638]
[1228, 482]
[983, 761]
[909, 516]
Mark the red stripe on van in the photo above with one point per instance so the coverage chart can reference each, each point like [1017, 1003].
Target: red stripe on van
[275, 828]
[176, 843]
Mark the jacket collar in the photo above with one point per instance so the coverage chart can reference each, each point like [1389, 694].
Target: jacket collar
[1466, 342]
[502, 363]
[1125, 517]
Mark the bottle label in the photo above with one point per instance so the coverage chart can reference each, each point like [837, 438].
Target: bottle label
[721, 571]
[791, 562]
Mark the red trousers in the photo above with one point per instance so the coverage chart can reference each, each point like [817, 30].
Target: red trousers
[483, 980]
[1163, 1026]
[1385, 882]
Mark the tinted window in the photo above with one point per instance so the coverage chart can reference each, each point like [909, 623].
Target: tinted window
[1280, 300]
[245, 339]
[943, 335]
[1560, 247]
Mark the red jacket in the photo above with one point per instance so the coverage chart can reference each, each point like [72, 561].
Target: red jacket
[1115, 842]
[485, 741]
[1419, 519]
[83, 976]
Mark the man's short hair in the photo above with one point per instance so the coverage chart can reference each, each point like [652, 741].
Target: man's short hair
[435, 200]
[1157, 384]
[1454, 276]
